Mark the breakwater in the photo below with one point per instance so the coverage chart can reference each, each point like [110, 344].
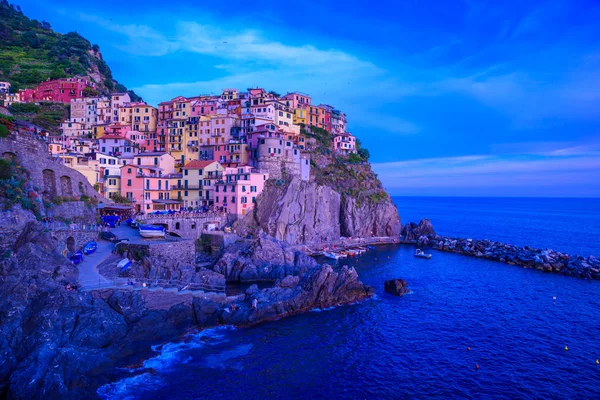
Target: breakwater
[546, 260]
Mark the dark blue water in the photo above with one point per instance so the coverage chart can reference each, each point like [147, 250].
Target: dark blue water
[567, 225]
[413, 346]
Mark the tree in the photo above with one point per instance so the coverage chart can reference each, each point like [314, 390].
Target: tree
[89, 92]
[118, 198]
[3, 131]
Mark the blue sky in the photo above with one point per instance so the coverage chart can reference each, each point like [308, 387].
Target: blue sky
[452, 98]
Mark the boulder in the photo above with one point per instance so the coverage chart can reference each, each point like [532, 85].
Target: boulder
[397, 287]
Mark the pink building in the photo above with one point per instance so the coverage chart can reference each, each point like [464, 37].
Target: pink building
[344, 143]
[58, 90]
[238, 191]
[148, 189]
[296, 100]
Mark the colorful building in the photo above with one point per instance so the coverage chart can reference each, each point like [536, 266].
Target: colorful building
[196, 186]
[344, 143]
[237, 192]
[57, 90]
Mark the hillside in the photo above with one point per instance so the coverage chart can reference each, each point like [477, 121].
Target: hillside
[344, 197]
[31, 52]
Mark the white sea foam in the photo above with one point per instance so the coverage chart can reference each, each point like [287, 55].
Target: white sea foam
[170, 355]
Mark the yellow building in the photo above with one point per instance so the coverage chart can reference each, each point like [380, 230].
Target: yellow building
[112, 185]
[196, 182]
[300, 116]
[139, 116]
[177, 129]
[98, 131]
[86, 166]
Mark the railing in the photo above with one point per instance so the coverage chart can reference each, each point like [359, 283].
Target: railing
[61, 226]
[154, 284]
[183, 214]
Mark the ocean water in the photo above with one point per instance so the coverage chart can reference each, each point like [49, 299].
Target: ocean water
[516, 323]
[568, 225]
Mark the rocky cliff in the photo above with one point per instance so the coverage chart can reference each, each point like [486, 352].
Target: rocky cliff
[342, 199]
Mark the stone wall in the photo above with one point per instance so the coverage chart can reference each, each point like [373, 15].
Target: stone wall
[73, 240]
[187, 227]
[76, 211]
[48, 177]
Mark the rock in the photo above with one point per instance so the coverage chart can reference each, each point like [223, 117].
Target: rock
[397, 287]
[300, 212]
[412, 231]
[544, 260]
[289, 282]
[320, 287]
[265, 259]
[253, 289]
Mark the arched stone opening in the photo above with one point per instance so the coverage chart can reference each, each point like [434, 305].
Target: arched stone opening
[71, 244]
[9, 156]
[66, 188]
[49, 182]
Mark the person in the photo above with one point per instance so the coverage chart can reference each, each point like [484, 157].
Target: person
[233, 307]
[254, 303]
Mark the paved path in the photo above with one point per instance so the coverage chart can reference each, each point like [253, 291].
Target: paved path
[89, 277]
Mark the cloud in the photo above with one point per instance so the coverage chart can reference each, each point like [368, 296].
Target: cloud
[560, 174]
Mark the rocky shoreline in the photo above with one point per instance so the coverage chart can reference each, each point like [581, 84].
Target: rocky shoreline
[546, 260]
[66, 343]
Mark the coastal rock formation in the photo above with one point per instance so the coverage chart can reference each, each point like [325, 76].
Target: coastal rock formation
[397, 287]
[412, 231]
[544, 260]
[320, 287]
[300, 212]
[264, 259]
[366, 219]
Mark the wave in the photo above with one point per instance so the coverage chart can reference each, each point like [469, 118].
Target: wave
[170, 355]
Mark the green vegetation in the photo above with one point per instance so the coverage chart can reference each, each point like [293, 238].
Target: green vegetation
[13, 179]
[6, 124]
[46, 115]
[31, 52]
[119, 199]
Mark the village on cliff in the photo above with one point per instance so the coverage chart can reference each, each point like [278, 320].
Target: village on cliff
[212, 152]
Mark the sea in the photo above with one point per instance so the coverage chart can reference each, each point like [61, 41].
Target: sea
[469, 329]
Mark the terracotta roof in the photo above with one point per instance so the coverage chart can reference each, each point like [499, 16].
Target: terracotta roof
[113, 137]
[197, 164]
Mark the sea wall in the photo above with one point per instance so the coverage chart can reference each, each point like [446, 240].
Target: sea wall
[544, 260]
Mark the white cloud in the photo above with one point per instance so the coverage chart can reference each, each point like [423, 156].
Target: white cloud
[522, 174]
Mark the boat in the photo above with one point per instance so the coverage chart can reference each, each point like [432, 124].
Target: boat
[332, 256]
[76, 257]
[420, 254]
[131, 222]
[152, 231]
[90, 247]
[124, 264]
[371, 247]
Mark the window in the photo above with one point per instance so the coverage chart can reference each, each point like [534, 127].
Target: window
[217, 199]
[233, 199]
[253, 199]
[243, 188]
[128, 182]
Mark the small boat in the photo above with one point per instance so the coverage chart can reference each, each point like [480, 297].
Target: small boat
[124, 264]
[371, 247]
[131, 222]
[152, 231]
[420, 254]
[332, 256]
[90, 247]
[76, 257]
